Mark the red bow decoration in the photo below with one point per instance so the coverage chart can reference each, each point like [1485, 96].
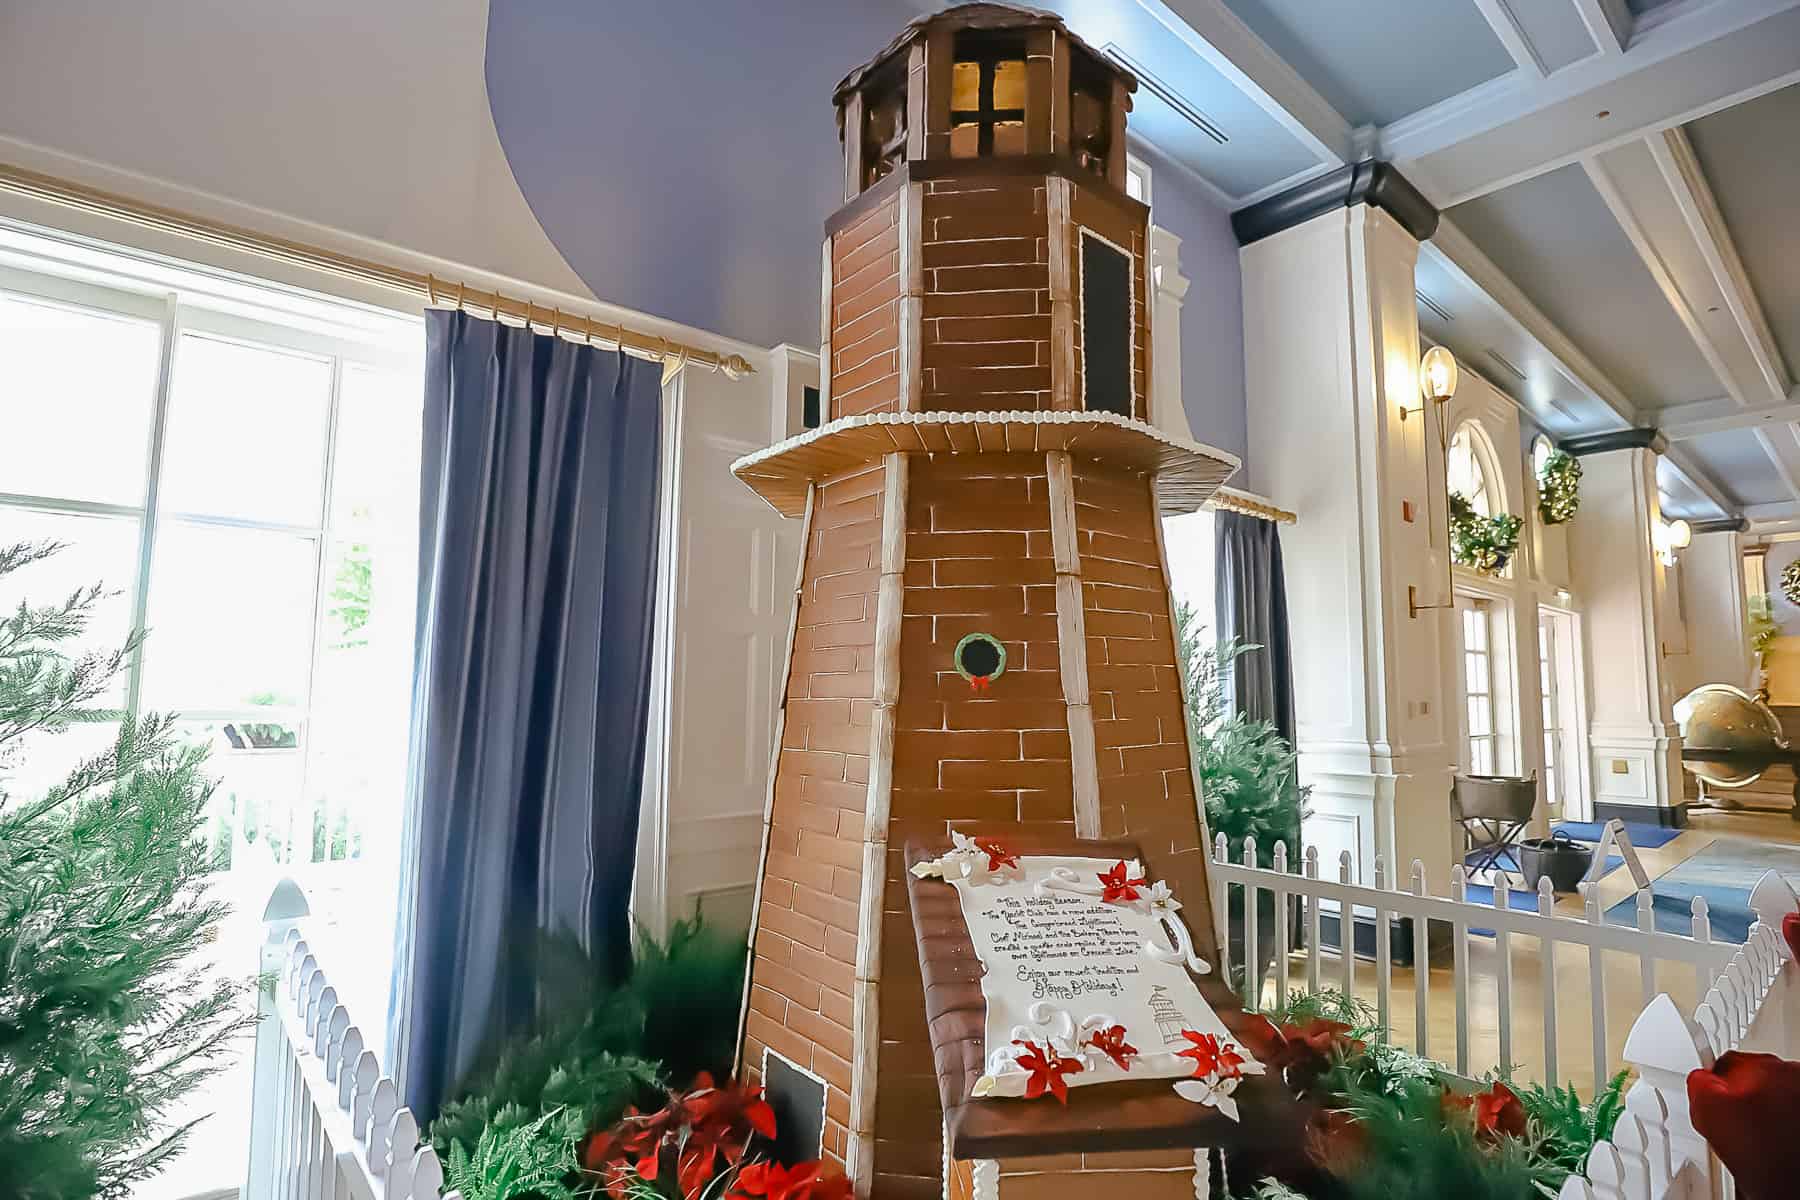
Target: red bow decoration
[1211, 1055]
[998, 855]
[1733, 1106]
[1790, 931]
[1047, 1069]
[979, 684]
[1117, 887]
[1111, 1042]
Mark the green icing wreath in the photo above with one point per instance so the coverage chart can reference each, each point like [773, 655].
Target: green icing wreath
[1484, 543]
[1790, 581]
[1559, 488]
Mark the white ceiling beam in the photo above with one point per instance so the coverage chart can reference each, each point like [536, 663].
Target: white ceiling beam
[1786, 510]
[1452, 248]
[1641, 241]
[1688, 421]
[1460, 256]
[1705, 57]
[1681, 170]
[1608, 23]
[1505, 24]
[1230, 47]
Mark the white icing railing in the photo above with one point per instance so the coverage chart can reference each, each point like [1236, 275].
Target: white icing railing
[1754, 1004]
[325, 1122]
[1314, 899]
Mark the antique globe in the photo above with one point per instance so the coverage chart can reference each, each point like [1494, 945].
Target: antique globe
[1717, 716]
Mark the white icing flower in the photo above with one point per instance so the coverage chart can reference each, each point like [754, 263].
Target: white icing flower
[1162, 899]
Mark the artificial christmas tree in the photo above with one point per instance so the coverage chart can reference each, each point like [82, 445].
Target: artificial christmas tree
[104, 1023]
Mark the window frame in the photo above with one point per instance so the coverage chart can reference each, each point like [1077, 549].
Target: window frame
[38, 267]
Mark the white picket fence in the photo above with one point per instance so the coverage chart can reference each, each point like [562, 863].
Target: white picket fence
[325, 1123]
[1754, 1004]
[1313, 898]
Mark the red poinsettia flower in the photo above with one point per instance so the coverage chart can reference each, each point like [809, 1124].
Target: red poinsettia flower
[802, 1181]
[1496, 1111]
[1117, 887]
[1047, 1069]
[1111, 1042]
[1211, 1056]
[1301, 1053]
[698, 1133]
[998, 855]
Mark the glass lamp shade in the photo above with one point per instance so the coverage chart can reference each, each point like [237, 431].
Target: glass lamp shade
[1437, 374]
[1681, 534]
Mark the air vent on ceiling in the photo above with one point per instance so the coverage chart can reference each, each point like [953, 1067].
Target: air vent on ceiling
[1505, 364]
[1165, 93]
[1438, 310]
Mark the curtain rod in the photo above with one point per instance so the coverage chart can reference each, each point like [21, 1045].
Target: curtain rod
[435, 292]
[1250, 505]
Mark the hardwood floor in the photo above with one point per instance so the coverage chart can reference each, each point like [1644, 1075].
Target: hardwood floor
[1623, 994]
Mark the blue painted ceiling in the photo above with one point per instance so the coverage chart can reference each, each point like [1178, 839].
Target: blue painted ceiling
[1377, 62]
[1554, 236]
[1751, 155]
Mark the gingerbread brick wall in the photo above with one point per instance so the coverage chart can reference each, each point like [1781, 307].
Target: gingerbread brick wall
[1141, 1175]
[865, 312]
[1146, 787]
[978, 559]
[1124, 227]
[985, 337]
[801, 978]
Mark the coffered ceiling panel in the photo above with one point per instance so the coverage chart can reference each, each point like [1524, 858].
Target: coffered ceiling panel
[1556, 239]
[1740, 465]
[1751, 155]
[1377, 62]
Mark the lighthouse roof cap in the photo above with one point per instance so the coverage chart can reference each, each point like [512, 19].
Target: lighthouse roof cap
[980, 15]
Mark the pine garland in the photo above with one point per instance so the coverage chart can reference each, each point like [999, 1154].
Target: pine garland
[1484, 543]
[1559, 488]
[104, 1023]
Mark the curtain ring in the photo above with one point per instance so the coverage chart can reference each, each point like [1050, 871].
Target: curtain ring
[556, 322]
[430, 289]
[461, 288]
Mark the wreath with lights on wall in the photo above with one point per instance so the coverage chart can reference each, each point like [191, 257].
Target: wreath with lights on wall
[1559, 487]
[1485, 544]
[1790, 581]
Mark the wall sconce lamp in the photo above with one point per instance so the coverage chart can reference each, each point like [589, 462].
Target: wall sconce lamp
[1670, 536]
[1437, 384]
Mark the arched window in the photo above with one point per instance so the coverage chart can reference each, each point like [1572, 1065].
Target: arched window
[1469, 469]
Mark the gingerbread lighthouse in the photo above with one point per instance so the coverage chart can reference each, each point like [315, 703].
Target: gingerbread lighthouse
[982, 635]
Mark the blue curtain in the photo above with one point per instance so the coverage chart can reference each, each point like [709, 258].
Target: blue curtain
[1250, 595]
[531, 690]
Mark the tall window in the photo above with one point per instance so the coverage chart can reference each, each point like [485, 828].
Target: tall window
[1478, 686]
[1553, 727]
[238, 466]
[1466, 472]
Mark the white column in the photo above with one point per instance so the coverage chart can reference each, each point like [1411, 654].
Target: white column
[1711, 575]
[1631, 629]
[1167, 286]
[1331, 355]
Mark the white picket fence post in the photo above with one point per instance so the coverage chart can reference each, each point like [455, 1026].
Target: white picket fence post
[325, 1122]
[1237, 877]
[1655, 1153]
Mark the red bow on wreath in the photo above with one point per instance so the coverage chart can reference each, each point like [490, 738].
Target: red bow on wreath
[978, 684]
